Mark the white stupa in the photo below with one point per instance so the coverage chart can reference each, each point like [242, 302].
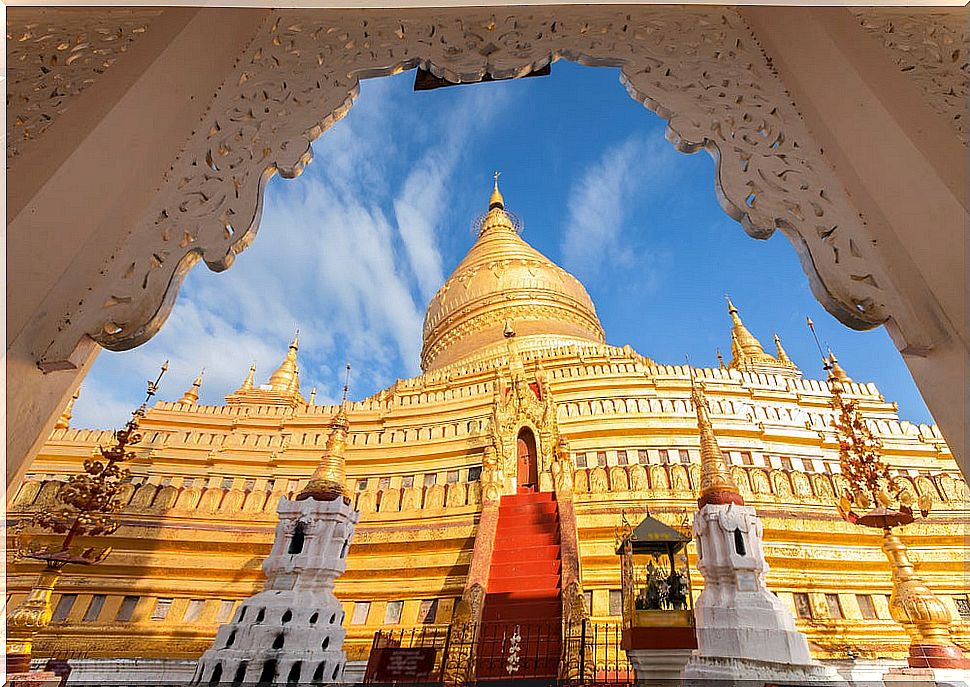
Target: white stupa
[292, 631]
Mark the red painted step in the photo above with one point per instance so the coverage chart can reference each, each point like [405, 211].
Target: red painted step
[525, 610]
[528, 497]
[524, 588]
[537, 553]
[524, 583]
[517, 567]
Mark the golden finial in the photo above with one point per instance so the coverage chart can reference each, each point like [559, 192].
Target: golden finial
[496, 201]
[329, 480]
[64, 421]
[313, 396]
[286, 379]
[720, 360]
[717, 485]
[835, 370]
[343, 400]
[743, 343]
[782, 355]
[248, 383]
[192, 395]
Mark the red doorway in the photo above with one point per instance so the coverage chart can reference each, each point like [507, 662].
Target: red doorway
[528, 471]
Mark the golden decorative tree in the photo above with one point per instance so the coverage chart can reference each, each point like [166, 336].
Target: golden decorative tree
[84, 507]
[874, 498]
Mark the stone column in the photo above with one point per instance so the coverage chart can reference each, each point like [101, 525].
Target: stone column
[904, 165]
[74, 194]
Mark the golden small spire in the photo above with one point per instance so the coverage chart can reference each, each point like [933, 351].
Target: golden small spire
[782, 354]
[192, 395]
[287, 376]
[64, 421]
[329, 480]
[720, 360]
[248, 383]
[742, 340]
[717, 485]
[313, 396]
[835, 370]
[496, 201]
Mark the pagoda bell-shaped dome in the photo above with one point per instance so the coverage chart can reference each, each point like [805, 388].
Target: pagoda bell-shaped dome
[504, 282]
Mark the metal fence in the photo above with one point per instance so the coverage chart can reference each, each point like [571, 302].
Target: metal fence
[585, 653]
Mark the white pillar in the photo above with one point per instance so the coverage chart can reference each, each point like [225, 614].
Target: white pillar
[905, 168]
[76, 192]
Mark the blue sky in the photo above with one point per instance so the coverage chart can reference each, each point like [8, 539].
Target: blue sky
[352, 251]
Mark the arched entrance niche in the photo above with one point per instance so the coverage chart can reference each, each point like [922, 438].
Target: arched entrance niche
[527, 461]
[703, 69]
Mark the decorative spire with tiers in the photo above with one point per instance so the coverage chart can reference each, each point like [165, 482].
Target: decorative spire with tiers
[502, 278]
[744, 632]
[248, 382]
[747, 353]
[329, 480]
[287, 376]
[282, 388]
[191, 396]
[835, 370]
[717, 485]
[782, 355]
[64, 421]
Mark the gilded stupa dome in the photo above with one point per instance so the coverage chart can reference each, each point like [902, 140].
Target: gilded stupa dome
[504, 285]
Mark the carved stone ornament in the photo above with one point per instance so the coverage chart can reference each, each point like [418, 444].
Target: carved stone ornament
[52, 57]
[516, 406]
[933, 49]
[700, 69]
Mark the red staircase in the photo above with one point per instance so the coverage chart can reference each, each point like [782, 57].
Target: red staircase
[524, 590]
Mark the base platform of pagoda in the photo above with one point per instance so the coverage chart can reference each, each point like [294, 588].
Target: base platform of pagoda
[702, 671]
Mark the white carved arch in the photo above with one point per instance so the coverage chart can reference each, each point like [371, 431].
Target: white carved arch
[699, 68]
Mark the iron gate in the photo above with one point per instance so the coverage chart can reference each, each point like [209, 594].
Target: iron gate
[586, 653]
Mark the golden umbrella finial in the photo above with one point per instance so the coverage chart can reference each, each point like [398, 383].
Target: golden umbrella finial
[496, 201]
[286, 378]
[250, 379]
[782, 354]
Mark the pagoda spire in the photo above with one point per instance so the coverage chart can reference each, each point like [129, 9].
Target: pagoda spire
[835, 370]
[742, 341]
[191, 396]
[64, 421]
[329, 480]
[248, 382]
[286, 379]
[496, 201]
[782, 355]
[717, 485]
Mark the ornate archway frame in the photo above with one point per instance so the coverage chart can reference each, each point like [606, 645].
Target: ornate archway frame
[101, 232]
[700, 69]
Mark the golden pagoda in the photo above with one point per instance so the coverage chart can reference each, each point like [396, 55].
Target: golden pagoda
[519, 395]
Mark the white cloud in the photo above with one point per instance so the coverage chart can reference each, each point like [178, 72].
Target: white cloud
[349, 253]
[601, 201]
